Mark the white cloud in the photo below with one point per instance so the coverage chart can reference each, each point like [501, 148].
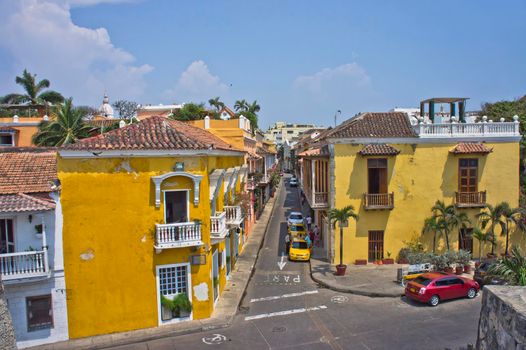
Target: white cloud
[81, 62]
[197, 84]
[350, 75]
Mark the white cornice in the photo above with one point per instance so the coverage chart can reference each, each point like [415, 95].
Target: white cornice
[418, 140]
[147, 153]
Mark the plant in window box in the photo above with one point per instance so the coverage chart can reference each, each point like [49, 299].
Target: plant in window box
[388, 260]
[182, 305]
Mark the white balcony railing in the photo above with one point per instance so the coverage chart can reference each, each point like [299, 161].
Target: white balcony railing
[183, 234]
[218, 226]
[234, 216]
[24, 265]
[484, 128]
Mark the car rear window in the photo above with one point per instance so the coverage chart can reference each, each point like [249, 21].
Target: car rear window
[422, 280]
[296, 228]
[296, 217]
[300, 245]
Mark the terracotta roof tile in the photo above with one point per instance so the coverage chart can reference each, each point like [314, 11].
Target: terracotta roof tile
[27, 172]
[20, 202]
[379, 150]
[315, 152]
[471, 147]
[154, 133]
[374, 125]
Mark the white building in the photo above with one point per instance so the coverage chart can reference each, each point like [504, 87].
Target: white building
[282, 131]
[105, 109]
[31, 257]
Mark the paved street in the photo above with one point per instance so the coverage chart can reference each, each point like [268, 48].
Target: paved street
[285, 309]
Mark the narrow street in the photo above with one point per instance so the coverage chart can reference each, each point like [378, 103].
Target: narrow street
[285, 309]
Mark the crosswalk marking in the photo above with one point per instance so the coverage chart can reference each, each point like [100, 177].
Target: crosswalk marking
[290, 295]
[286, 312]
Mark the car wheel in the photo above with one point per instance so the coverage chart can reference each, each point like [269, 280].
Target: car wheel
[434, 300]
[472, 292]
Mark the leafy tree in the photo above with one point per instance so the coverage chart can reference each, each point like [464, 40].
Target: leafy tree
[126, 109]
[513, 268]
[435, 226]
[34, 91]
[482, 237]
[241, 105]
[66, 128]
[216, 103]
[448, 218]
[190, 111]
[492, 216]
[342, 216]
[253, 107]
[514, 217]
[505, 109]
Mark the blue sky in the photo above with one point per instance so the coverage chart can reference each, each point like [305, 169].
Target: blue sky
[302, 60]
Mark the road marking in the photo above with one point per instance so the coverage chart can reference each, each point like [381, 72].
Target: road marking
[290, 295]
[215, 339]
[281, 264]
[286, 312]
[339, 299]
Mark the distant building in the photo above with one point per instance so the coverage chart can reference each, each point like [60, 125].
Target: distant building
[106, 110]
[161, 110]
[282, 131]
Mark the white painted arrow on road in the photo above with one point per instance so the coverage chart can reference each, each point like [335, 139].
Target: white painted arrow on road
[281, 264]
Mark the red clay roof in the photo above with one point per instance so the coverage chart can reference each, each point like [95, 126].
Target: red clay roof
[314, 152]
[20, 202]
[379, 150]
[374, 125]
[471, 147]
[154, 133]
[27, 172]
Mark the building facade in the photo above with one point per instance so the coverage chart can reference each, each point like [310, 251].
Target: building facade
[31, 256]
[281, 131]
[392, 172]
[150, 218]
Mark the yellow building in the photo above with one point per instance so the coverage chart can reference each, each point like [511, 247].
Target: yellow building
[393, 169]
[18, 131]
[148, 211]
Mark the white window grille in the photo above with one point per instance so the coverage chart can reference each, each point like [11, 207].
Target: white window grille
[173, 280]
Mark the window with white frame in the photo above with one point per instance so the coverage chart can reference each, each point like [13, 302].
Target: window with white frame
[6, 140]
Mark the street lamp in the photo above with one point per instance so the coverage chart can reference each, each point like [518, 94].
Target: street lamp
[338, 112]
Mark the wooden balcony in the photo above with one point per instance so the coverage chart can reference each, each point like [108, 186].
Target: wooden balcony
[218, 228]
[177, 235]
[234, 215]
[378, 201]
[470, 199]
[22, 265]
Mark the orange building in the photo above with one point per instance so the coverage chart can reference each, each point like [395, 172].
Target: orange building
[18, 132]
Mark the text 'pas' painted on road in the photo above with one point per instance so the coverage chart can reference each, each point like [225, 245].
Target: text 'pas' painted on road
[282, 278]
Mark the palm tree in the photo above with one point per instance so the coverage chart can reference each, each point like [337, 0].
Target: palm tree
[34, 94]
[511, 268]
[241, 105]
[482, 237]
[216, 103]
[341, 216]
[433, 225]
[253, 107]
[449, 218]
[492, 216]
[66, 128]
[513, 217]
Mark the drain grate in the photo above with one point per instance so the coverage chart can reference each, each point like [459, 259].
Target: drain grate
[243, 309]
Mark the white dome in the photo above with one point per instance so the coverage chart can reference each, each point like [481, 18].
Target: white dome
[105, 109]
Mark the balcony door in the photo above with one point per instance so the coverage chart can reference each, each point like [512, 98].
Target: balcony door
[467, 175]
[176, 206]
[377, 175]
[7, 236]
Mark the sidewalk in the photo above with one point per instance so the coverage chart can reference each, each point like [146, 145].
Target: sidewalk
[224, 312]
[369, 280]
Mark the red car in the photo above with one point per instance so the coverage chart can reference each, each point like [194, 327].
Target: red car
[434, 287]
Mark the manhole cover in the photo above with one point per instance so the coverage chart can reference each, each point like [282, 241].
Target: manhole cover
[278, 329]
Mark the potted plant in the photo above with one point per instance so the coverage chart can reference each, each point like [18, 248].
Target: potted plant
[463, 259]
[342, 216]
[183, 305]
[450, 258]
[388, 260]
[402, 256]
[360, 262]
[440, 262]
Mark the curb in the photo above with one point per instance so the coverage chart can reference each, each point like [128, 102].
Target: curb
[90, 343]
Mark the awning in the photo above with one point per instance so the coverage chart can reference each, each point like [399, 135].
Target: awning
[379, 150]
[471, 148]
[20, 202]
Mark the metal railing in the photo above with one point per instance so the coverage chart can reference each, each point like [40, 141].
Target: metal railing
[470, 199]
[183, 234]
[379, 200]
[24, 264]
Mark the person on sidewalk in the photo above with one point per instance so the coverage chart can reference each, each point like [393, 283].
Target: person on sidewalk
[309, 222]
[309, 242]
[287, 243]
[317, 236]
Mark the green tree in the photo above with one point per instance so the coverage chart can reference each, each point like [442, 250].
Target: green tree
[241, 105]
[34, 91]
[190, 111]
[126, 109]
[506, 109]
[342, 216]
[512, 268]
[66, 128]
[449, 219]
[435, 226]
[482, 237]
[254, 107]
[492, 218]
[514, 218]
[216, 103]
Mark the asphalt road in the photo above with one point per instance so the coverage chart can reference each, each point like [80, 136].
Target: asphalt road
[285, 309]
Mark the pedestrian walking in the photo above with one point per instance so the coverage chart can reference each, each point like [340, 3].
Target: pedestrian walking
[287, 243]
[309, 222]
[317, 236]
[311, 235]
[309, 242]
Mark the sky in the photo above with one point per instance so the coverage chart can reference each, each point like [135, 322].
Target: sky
[301, 60]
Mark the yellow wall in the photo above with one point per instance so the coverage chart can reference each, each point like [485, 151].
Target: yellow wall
[418, 176]
[24, 136]
[108, 236]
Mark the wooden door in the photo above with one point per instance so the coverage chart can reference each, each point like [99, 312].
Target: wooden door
[376, 245]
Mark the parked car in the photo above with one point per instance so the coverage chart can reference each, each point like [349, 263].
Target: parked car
[433, 287]
[299, 250]
[295, 218]
[297, 230]
[482, 277]
[293, 182]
